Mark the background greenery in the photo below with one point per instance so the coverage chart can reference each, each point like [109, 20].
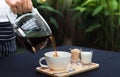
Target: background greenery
[90, 23]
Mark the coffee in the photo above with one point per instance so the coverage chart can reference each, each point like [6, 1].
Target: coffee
[33, 44]
[54, 63]
[53, 42]
[75, 54]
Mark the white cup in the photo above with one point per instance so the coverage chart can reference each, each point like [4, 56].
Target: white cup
[86, 56]
[56, 63]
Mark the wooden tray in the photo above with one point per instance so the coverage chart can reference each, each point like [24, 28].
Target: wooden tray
[78, 69]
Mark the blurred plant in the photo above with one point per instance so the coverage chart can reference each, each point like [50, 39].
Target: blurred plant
[66, 27]
[59, 14]
[90, 22]
[103, 17]
[45, 8]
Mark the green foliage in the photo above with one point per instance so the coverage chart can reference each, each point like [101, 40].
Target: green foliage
[106, 13]
[85, 17]
[46, 6]
[97, 10]
[53, 21]
[92, 27]
[49, 8]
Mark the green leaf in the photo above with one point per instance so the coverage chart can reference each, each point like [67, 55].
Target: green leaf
[97, 10]
[104, 4]
[50, 9]
[41, 1]
[67, 4]
[87, 2]
[113, 4]
[47, 7]
[106, 13]
[54, 22]
[81, 9]
[118, 21]
[117, 13]
[92, 27]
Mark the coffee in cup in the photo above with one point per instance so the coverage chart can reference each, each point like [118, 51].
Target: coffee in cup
[56, 63]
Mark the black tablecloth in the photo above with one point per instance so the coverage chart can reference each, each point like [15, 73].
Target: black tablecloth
[23, 65]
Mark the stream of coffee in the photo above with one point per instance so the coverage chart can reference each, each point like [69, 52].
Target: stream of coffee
[53, 42]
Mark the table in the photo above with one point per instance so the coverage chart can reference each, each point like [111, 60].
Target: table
[23, 65]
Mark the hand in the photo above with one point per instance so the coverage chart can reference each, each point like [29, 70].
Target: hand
[20, 6]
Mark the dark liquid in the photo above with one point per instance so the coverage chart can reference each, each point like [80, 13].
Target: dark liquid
[34, 44]
[53, 42]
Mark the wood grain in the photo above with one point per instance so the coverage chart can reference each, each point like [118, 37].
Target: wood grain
[78, 69]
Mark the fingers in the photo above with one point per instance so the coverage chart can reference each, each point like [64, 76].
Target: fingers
[14, 9]
[12, 4]
[20, 6]
[30, 5]
[27, 6]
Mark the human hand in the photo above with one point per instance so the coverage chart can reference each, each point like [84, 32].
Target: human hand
[20, 6]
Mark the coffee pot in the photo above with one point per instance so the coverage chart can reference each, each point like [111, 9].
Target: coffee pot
[31, 28]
